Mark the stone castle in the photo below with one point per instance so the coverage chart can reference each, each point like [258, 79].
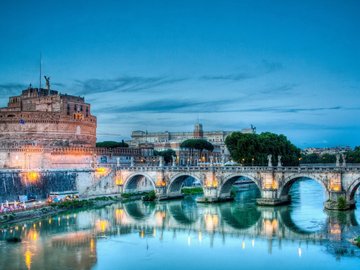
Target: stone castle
[46, 118]
[40, 125]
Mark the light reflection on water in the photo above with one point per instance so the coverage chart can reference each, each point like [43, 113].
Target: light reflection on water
[183, 234]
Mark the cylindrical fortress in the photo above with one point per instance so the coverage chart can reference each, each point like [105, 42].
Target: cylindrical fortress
[48, 119]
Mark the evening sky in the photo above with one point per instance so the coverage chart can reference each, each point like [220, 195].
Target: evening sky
[290, 67]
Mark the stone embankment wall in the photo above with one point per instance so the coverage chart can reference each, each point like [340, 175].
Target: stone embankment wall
[97, 184]
[39, 184]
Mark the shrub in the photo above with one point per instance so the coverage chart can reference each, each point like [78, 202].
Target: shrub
[341, 202]
[151, 196]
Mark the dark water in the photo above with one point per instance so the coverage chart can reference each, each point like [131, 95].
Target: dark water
[185, 235]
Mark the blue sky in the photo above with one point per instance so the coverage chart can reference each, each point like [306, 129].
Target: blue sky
[290, 67]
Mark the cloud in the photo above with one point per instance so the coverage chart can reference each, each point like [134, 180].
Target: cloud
[58, 84]
[282, 89]
[209, 106]
[124, 84]
[287, 109]
[265, 67]
[12, 88]
[271, 66]
[229, 77]
[170, 106]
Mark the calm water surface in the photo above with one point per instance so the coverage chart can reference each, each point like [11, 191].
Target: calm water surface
[185, 235]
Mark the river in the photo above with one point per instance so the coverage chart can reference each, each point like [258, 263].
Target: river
[182, 234]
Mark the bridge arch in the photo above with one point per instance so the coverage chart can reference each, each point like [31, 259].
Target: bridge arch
[185, 213]
[139, 211]
[134, 180]
[286, 219]
[286, 185]
[225, 187]
[240, 217]
[352, 189]
[176, 182]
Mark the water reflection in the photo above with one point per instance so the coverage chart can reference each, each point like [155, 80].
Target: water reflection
[72, 241]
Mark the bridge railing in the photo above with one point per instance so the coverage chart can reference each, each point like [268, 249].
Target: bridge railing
[297, 169]
[234, 168]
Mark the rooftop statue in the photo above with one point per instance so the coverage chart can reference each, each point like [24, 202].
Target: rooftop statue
[47, 79]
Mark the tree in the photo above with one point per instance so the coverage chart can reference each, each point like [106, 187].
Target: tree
[310, 158]
[112, 144]
[196, 144]
[353, 156]
[166, 154]
[327, 158]
[253, 149]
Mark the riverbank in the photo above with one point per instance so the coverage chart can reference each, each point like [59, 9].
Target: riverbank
[55, 208]
[192, 190]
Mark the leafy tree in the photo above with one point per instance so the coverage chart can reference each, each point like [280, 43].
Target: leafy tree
[310, 158]
[353, 156]
[327, 158]
[167, 154]
[112, 144]
[197, 145]
[253, 149]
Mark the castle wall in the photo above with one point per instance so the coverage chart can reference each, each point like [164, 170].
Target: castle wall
[46, 129]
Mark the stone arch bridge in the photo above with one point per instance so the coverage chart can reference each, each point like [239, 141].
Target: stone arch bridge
[274, 183]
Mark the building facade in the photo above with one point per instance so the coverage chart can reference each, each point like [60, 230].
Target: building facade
[172, 140]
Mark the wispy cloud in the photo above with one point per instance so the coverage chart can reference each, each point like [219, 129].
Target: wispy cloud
[170, 106]
[58, 84]
[124, 84]
[228, 77]
[265, 67]
[12, 88]
[271, 66]
[286, 109]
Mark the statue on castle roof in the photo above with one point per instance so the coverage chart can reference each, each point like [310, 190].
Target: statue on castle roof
[47, 79]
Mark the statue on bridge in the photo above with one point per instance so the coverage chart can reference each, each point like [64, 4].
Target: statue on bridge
[269, 160]
[132, 162]
[279, 161]
[337, 160]
[222, 159]
[173, 158]
[343, 157]
[161, 161]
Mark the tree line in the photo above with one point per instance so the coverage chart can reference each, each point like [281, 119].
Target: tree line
[112, 144]
[253, 149]
[352, 156]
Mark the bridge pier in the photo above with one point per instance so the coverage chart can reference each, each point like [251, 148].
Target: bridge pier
[339, 201]
[211, 196]
[269, 197]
